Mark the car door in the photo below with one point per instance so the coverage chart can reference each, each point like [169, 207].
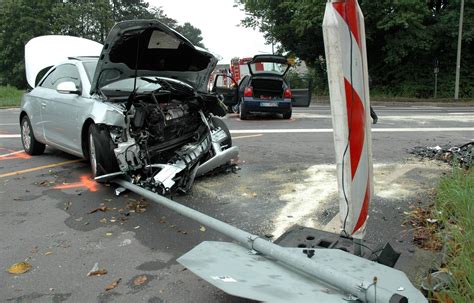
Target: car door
[60, 110]
[227, 87]
[300, 90]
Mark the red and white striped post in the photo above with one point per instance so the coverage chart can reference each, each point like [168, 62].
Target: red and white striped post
[346, 59]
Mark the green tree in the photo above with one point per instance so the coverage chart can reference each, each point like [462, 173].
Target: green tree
[192, 33]
[404, 38]
[20, 21]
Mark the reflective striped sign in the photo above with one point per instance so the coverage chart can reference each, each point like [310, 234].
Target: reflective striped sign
[346, 59]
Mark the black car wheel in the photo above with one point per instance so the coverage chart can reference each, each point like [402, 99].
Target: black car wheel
[30, 144]
[101, 151]
[287, 115]
[217, 122]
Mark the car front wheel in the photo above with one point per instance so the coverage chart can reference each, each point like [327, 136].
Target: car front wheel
[101, 151]
[30, 144]
[287, 115]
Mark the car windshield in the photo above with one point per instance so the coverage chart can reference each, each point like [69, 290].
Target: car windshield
[90, 66]
[126, 85]
[268, 68]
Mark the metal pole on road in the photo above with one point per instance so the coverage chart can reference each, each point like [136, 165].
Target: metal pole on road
[458, 59]
[324, 273]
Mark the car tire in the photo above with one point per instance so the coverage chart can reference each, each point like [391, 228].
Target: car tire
[101, 151]
[243, 115]
[30, 144]
[218, 122]
[287, 115]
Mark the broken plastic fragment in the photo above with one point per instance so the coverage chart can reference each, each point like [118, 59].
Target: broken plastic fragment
[119, 191]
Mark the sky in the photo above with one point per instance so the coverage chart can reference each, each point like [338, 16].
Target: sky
[218, 20]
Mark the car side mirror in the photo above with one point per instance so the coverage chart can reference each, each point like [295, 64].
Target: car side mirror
[67, 87]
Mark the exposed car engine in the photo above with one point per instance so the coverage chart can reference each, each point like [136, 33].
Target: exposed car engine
[172, 137]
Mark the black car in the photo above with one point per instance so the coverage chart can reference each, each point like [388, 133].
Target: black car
[265, 90]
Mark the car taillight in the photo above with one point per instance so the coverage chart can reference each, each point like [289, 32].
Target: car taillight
[287, 93]
[248, 91]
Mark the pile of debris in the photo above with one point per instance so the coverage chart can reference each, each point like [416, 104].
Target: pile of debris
[462, 155]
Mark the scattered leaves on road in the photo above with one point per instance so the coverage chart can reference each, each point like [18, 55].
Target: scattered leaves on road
[99, 272]
[102, 209]
[19, 268]
[113, 284]
[137, 206]
[48, 253]
[426, 229]
[139, 280]
[96, 271]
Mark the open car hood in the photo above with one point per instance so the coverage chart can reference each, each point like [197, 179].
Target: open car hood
[46, 51]
[150, 48]
[264, 60]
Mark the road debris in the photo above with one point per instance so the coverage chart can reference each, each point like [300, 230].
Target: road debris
[113, 284]
[34, 250]
[137, 206]
[19, 268]
[140, 280]
[125, 242]
[102, 208]
[437, 281]
[119, 191]
[462, 155]
[96, 271]
[426, 229]
[202, 228]
[48, 253]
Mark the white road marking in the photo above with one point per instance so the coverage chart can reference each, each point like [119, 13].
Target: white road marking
[9, 136]
[10, 154]
[326, 130]
[5, 124]
[249, 136]
[329, 130]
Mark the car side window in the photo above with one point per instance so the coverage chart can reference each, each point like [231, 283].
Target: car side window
[62, 73]
[243, 82]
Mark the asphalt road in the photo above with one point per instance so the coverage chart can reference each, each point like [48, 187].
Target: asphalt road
[287, 177]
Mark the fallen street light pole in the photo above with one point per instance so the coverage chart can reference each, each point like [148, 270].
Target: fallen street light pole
[341, 275]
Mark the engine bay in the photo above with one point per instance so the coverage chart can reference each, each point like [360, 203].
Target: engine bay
[169, 134]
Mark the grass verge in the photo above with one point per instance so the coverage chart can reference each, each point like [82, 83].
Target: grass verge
[10, 96]
[454, 208]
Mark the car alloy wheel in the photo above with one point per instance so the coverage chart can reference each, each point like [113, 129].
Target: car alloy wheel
[92, 155]
[26, 134]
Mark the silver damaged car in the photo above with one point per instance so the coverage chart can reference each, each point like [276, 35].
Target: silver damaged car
[138, 107]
